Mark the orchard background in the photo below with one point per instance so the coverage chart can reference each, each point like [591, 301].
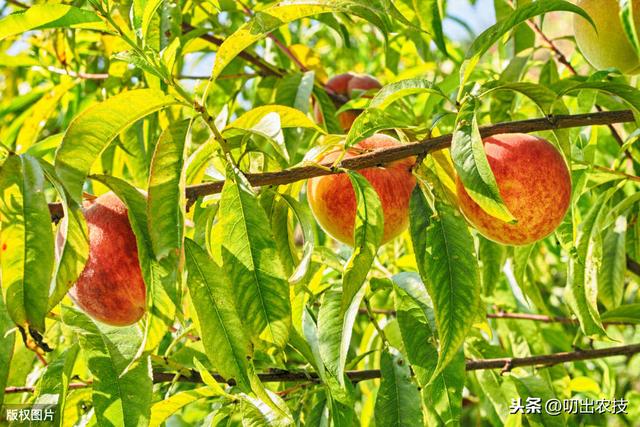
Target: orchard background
[199, 116]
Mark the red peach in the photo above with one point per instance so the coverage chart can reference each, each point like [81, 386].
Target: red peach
[110, 288]
[347, 84]
[535, 185]
[333, 200]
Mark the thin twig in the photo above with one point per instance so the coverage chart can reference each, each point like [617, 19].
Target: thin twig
[18, 3]
[544, 360]
[80, 75]
[383, 156]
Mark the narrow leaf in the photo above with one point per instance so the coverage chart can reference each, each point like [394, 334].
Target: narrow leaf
[222, 330]
[470, 161]
[165, 207]
[26, 241]
[444, 251]
[118, 399]
[42, 16]
[251, 261]
[398, 399]
[92, 131]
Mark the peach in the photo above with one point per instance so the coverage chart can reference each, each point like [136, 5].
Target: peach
[110, 288]
[333, 200]
[348, 85]
[609, 46]
[535, 185]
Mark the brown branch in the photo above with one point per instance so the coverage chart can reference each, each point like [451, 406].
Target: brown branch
[18, 3]
[80, 75]
[512, 316]
[379, 157]
[265, 68]
[633, 266]
[544, 360]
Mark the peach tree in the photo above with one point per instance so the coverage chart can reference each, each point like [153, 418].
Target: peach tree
[319, 212]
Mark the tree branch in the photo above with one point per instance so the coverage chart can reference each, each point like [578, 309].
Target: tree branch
[544, 360]
[380, 157]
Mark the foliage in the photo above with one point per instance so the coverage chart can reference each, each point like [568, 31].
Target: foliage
[177, 106]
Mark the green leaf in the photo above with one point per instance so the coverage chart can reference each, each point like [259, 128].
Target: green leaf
[251, 261]
[470, 161]
[614, 266]
[53, 385]
[166, 201]
[7, 342]
[493, 34]
[119, 399]
[74, 252]
[329, 329]
[628, 9]
[368, 229]
[444, 251]
[26, 241]
[269, 19]
[536, 387]
[581, 292]
[492, 255]
[403, 88]
[93, 129]
[220, 326]
[443, 397]
[266, 115]
[43, 16]
[430, 14]
[305, 220]
[629, 313]
[39, 114]
[295, 91]
[328, 110]
[165, 408]
[368, 123]
[398, 399]
[627, 93]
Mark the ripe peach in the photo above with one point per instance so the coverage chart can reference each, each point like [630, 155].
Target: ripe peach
[534, 183]
[110, 288]
[609, 46]
[347, 84]
[333, 201]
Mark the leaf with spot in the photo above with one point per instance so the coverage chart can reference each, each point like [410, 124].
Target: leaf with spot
[398, 399]
[581, 292]
[26, 241]
[614, 264]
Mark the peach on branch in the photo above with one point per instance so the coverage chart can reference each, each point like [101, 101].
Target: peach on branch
[333, 201]
[607, 45]
[110, 288]
[347, 85]
[535, 185]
